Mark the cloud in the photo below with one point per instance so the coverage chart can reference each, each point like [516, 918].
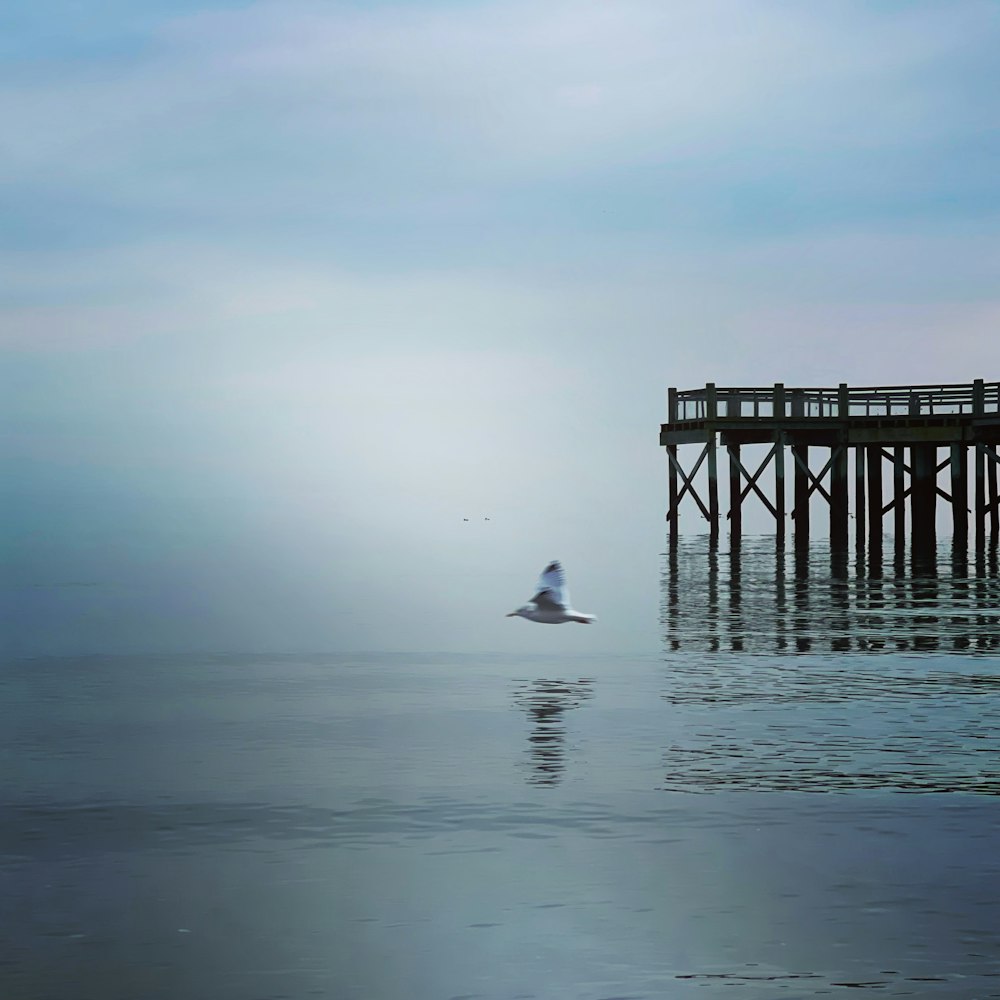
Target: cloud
[361, 113]
[561, 79]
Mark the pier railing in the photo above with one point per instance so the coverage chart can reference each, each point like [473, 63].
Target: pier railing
[779, 401]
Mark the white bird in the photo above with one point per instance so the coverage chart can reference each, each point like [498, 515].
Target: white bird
[551, 606]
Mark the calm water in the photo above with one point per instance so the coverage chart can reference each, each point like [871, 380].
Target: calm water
[795, 796]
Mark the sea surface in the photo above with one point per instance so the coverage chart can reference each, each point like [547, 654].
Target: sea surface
[795, 795]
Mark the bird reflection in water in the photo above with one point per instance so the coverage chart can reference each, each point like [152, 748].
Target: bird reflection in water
[546, 701]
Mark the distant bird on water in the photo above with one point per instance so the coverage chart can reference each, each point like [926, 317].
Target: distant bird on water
[551, 605]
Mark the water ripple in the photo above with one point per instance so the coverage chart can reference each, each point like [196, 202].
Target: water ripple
[758, 598]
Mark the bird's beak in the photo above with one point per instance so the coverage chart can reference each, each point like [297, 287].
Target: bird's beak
[512, 614]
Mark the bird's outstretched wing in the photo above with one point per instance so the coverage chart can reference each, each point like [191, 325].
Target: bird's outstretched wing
[552, 592]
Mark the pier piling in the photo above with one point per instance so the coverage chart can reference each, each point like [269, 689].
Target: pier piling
[874, 456]
[800, 510]
[959, 496]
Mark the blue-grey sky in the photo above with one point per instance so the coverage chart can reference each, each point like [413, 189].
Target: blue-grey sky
[287, 290]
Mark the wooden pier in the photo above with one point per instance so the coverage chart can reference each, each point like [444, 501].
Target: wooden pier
[896, 433]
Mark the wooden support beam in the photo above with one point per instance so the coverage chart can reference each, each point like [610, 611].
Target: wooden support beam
[735, 497]
[713, 469]
[713, 491]
[779, 466]
[899, 518]
[979, 502]
[959, 496]
[800, 506]
[672, 513]
[874, 497]
[779, 490]
[923, 539]
[859, 498]
[991, 479]
[838, 496]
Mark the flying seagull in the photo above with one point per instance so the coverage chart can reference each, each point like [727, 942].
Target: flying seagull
[550, 606]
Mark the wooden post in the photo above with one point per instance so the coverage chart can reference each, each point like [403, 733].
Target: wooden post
[838, 477]
[735, 505]
[673, 514]
[800, 481]
[779, 489]
[979, 504]
[800, 453]
[874, 497]
[779, 466]
[959, 497]
[711, 410]
[898, 500]
[673, 517]
[798, 403]
[923, 463]
[859, 498]
[991, 480]
[874, 511]
[838, 497]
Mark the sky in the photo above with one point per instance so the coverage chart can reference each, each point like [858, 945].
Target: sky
[289, 290]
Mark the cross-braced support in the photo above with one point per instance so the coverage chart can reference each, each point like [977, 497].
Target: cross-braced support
[676, 470]
[738, 492]
[916, 481]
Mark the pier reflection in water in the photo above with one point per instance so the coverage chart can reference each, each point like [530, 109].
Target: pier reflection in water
[769, 657]
[758, 598]
[546, 702]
